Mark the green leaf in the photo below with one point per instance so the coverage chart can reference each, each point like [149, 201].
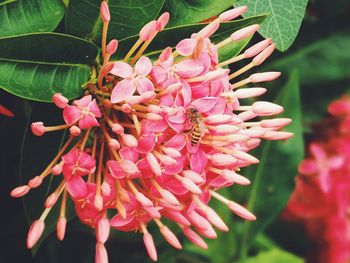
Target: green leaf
[23, 16]
[37, 65]
[275, 256]
[171, 36]
[190, 11]
[36, 154]
[320, 62]
[127, 17]
[274, 176]
[284, 19]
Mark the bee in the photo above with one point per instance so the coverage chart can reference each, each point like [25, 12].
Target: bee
[197, 126]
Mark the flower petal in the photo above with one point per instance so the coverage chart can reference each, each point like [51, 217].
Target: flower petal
[143, 66]
[123, 90]
[188, 68]
[143, 85]
[76, 187]
[122, 69]
[71, 114]
[186, 46]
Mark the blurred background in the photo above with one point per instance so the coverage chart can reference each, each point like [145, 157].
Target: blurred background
[316, 72]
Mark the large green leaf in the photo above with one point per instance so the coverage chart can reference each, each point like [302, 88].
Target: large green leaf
[274, 176]
[127, 17]
[35, 66]
[193, 11]
[171, 36]
[284, 19]
[36, 154]
[320, 62]
[23, 16]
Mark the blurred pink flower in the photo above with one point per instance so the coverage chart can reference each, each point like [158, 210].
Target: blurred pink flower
[321, 198]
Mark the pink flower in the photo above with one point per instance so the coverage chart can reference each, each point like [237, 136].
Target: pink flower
[132, 79]
[156, 139]
[85, 111]
[321, 198]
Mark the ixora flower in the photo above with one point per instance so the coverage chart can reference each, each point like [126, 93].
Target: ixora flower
[321, 198]
[154, 140]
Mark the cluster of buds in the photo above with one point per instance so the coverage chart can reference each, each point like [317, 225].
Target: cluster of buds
[321, 198]
[153, 140]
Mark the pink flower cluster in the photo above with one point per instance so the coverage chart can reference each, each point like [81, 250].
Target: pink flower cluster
[154, 140]
[321, 199]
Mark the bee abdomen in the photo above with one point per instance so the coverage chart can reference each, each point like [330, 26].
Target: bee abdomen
[195, 136]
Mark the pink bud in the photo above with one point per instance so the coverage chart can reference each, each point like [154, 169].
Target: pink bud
[275, 123]
[61, 227]
[252, 132]
[20, 191]
[177, 217]
[234, 177]
[232, 13]
[171, 152]
[38, 128]
[244, 32]
[102, 230]
[221, 159]
[209, 29]
[169, 197]
[265, 76]
[257, 48]
[162, 21]
[195, 177]
[194, 238]
[213, 217]
[170, 237]
[129, 140]
[252, 143]
[35, 182]
[249, 92]
[104, 12]
[101, 253]
[149, 244]
[114, 144]
[190, 185]
[57, 169]
[247, 115]
[51, 200]
[243, 156]
[207, 232]
[226, 128]
[112, 47]
[35, 232]
[153, 163]
[98, 202]
[167, 160]
[154, 117]
[264, 108]
[74, 131]
[148, 30]
[240, 211]
[154, 109]
[278, 135]
[126, 108]
[259, 59]
[218, 119]
[117, 128]
[59, 100]
[142, 199]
